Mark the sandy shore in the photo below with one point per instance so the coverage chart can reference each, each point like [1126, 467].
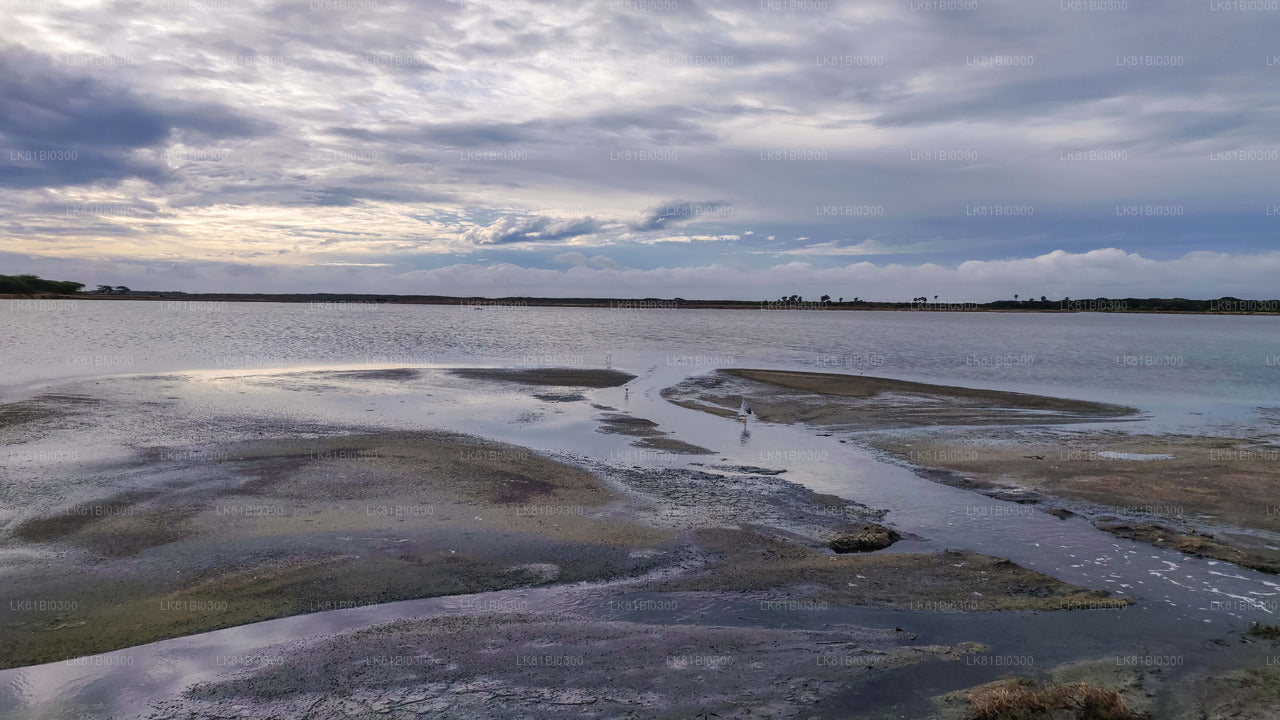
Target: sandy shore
[855, 402]
[548, 665]
[289, 526]
[230, 533]
[1206, 496]
[562, 377]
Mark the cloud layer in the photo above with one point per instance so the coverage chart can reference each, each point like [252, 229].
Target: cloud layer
[486, 142]
[1107, 272]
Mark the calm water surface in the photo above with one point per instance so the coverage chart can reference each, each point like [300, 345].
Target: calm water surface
[1196, 373]
[1166, 364]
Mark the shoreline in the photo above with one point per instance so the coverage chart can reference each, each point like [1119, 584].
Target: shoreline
[1201, 495]
[230, 533]
[1100, 305]
[713, 577]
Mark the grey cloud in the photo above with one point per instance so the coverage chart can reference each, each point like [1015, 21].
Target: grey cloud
[63, 129]
[511, 229]
[678, 211]
[577, 259]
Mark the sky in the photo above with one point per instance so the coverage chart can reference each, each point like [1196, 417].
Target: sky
[969, 149]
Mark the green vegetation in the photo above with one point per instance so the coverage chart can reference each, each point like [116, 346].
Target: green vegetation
[31, 284]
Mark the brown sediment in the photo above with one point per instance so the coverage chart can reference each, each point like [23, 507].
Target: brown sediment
[1208, 482]
[623, 424]
[863, 538]
[1087, 690]
[1230, 480]
[567, 377]
[1190, 542]
[560, 397]
[292, 524]
[952, 580]
[272, 528]
[648, 433]
[1025, 698]
[531, 664]
[54, 527]
[47, 406]
[855, 402]
[1101, 690]
[375, 374]
[671, 445]
[1250, 694]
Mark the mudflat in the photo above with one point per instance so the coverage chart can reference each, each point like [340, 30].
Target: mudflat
[288, 526]
[265, 529]
[1207, 496]
[565, 377]
[857, 402]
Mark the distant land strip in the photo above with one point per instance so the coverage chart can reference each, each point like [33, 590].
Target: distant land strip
[1221, 306]
[31, 287]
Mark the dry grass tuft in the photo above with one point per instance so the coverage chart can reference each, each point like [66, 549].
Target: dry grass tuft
[1023, 699]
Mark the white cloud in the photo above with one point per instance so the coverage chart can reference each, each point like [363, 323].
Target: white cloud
[577, 259]
[866, 247]
[1109, 272]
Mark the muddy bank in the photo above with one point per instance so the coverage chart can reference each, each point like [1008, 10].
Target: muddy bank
[855, 402]
[1205, 496]
[266, 529]
[1093, 690]
[536, 665]
[749, 561]
[647, 434]
[565, 377]
[1250, 694]
[1105, 689]
[257, 530]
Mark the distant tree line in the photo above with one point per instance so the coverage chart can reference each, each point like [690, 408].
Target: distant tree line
[1098, 304]
[31, 285]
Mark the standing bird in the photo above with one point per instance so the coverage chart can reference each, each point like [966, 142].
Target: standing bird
[744, 411]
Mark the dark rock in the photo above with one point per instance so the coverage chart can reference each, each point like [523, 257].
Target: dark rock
[864, 538]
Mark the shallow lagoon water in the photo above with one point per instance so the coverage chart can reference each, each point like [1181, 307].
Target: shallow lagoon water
[1182, 601]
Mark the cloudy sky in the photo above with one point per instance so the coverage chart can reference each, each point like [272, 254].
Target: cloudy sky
[971, 149]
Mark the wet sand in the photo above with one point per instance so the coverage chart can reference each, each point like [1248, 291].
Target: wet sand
[289, 526]
[855, 402]
[533, 665]
[561, 377]
[647, 434]
[236, 532]
[748, 561]
[1205, 496]
[1118, 692]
